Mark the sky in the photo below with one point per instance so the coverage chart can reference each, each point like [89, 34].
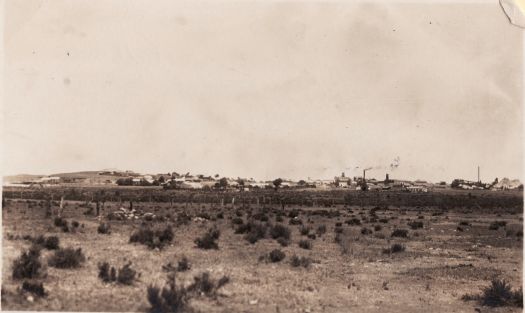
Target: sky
[263, 89]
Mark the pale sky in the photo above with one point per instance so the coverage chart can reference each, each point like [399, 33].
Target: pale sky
[263, 89]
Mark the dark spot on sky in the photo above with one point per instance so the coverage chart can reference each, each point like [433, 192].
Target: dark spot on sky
[67, 53]
[67, 81]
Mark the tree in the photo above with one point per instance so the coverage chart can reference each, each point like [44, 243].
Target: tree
[455, 183]
[162, 180]
[223, 182]
[277, 182]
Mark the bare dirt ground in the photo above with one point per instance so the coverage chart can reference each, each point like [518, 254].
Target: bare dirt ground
[440, 264]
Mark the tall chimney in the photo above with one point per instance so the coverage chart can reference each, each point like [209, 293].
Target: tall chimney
[387, 178]
[479, 181]
[364, 175]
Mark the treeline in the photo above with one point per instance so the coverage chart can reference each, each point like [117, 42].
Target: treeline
[445, 200]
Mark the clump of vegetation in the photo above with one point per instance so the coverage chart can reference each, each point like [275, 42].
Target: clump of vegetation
[304, 230]
[353, 221]
[321, 230]
[415, 224]
[499, 293]
[281, 233]
[183, 264]
[203, 284]
[171, 298]
[377, 228]
[464, 223]
[403, 233]
[276, 255]
[153, 238]
[497, 224]
[103, 272]
[67, 258]
[296, 261]
[28, 265]
[49, 243]
[256, 231]
[366, 231]
[305, 244]
[35, 288]
[207, 241]
[104, 228]
[59, 222]
[125, 275]
[395, 248]
[338, 230]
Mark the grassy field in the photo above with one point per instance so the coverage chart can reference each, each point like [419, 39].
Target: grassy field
[347, 259]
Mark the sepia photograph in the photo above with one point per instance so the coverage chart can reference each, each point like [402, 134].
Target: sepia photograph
[236, 156]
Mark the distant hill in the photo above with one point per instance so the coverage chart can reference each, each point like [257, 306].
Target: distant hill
[20, 178]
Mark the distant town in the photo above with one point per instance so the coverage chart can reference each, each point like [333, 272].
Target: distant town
[206, 182]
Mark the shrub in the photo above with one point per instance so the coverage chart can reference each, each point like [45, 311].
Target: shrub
[365, 231]
[399, 233]
[415, 225]
[28, 265]
[170, 299]
[35, 288]
[377, 228]
[499, 293]
[276, 255]
[103, 272]
[207, 241]
[283, 242]
[204, 285]
[300, 261]
[67, 258]
[75, 224]
[152, 238]
[65, 228]
[338, 230]
[104, 228]
[353, 221]
[183, 265]
[497, 224]
[126, 275]
[464, 223]
[257, 231]
[166, 235]
[280, 231]
[51, 243]
[321, 230]
[60, 222]
[395, 248]
[305, 244]
[305, 230]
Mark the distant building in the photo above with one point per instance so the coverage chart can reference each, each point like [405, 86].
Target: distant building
[342, 181]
